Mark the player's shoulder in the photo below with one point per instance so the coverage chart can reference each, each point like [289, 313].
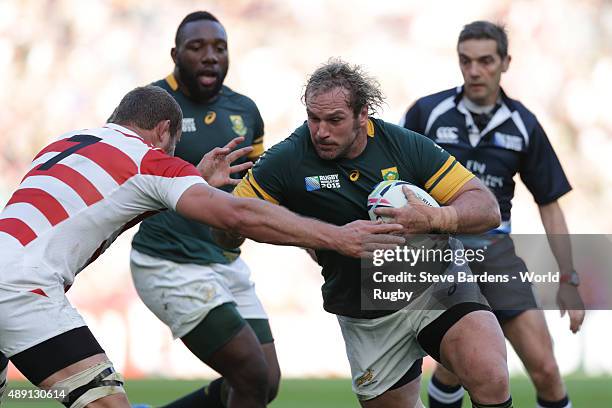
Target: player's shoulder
[297, 142]
[168, 83]
[521, 115]
[237, 98]
[291, 150]
[391, 131]
[156, 162]
[517, 106]
[429, 102]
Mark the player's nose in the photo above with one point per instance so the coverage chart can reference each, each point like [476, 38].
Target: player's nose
[209, 55]
[323, 131]
[474, 71]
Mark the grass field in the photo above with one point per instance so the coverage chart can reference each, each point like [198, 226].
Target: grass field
[585, 393]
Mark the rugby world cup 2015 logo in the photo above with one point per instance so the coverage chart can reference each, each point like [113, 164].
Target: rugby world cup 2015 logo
[319, 182]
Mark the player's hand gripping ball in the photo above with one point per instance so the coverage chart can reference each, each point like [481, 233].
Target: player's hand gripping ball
[389, 194]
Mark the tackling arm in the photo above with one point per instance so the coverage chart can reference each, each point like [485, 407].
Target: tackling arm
[266, 222]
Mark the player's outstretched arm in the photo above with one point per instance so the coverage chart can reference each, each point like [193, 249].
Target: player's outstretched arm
[266, 222]
[472, 209]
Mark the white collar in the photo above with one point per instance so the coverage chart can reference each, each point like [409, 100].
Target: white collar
[122, 129]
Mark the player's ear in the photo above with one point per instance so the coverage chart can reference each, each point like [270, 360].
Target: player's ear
[506, 63]
[173, 54]
[363, 116]
[162, 131]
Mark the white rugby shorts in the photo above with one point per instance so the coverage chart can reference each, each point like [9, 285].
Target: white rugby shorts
[30, 315]
[181, 295]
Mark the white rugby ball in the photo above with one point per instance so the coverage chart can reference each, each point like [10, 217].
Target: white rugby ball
[389, 194]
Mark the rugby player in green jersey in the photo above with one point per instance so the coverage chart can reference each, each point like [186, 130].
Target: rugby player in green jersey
[325, 170]
[201, 291]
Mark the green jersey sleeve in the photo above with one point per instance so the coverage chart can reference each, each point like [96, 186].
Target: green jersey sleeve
[268, 179]
[440, 173]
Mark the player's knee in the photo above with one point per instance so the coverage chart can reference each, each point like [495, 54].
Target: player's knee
[545, 374]
[445, 376]
[489, 382]
[91, 385]
[274, 376]
[250, 377]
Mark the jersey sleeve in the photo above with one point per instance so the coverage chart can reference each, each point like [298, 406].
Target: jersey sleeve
[412, 119]
[164, 179]
[267, 180]
[440, 173]
[258, 136]
[541, 170]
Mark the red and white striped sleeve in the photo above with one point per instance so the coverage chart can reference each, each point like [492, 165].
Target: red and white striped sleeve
[165, 178]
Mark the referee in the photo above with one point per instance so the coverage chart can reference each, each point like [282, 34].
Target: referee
[497, 137]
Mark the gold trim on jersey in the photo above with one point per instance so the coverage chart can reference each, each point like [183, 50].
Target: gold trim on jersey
[258, 149]
[171, 80]
[438, 173]
[370, 128]
[451, 183]
[249, 188]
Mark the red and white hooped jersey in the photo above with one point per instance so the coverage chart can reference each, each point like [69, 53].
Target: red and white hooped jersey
[80, 193]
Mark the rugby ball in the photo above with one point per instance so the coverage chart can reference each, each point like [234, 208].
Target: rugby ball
[389, 194]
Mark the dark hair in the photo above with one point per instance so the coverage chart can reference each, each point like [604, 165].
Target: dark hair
[363, 89]
[479, 30]
[195, 16]
[146, 106]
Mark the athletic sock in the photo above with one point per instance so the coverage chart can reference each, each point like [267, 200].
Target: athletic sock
[562, 403]
[444, 396]
[507, 404]
[206, 397]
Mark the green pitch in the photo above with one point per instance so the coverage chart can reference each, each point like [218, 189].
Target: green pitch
[585, 392]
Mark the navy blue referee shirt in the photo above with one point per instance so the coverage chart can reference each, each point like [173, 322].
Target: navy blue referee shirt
[512, 142]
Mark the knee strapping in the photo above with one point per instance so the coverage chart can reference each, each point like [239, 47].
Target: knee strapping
[89, 385]
[3, 374]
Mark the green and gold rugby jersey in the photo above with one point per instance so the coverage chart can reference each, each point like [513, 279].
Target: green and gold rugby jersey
[336, 191]
[205, 126]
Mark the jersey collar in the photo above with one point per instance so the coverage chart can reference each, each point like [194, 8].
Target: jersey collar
[501, 115]
[122, 130]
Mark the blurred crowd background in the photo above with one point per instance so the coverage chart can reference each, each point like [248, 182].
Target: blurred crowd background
[66, 65]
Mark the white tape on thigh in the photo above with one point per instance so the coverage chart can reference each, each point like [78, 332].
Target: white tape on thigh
[98, 390]
[3, 380]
